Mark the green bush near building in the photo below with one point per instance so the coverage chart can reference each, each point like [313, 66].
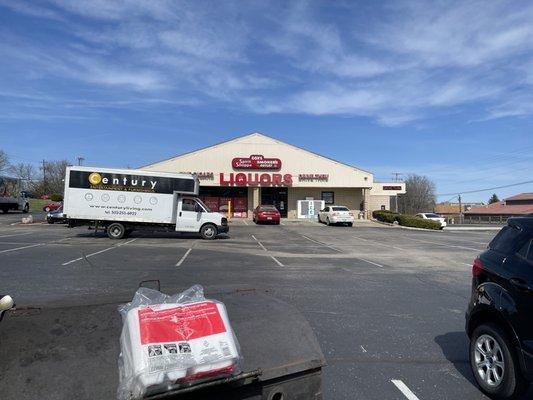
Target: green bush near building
[405, 220]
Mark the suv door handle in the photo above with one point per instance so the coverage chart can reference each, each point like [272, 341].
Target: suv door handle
[520, 284]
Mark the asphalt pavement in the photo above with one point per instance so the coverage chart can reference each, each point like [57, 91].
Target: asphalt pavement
[386, 304]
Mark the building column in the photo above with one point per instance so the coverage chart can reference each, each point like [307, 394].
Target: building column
[253, 200]
[365, 203]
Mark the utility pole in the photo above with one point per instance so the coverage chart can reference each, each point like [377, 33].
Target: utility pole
[80, 160]
[397, 176]
[460, 210]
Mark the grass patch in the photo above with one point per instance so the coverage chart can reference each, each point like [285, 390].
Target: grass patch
[37, 205]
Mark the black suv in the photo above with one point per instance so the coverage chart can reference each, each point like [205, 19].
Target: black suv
[499, 320]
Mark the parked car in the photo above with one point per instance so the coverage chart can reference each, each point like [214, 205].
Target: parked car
[56, 216]
[336, 215]
[52, 206]
[433, 217]
[266, 214]
[499, 319]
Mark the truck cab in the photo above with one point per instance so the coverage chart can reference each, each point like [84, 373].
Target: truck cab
[194, 216]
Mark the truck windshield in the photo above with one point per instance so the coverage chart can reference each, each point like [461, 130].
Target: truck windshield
[203, 205]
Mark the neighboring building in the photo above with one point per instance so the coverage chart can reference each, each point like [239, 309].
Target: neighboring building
[256, 169]
[452, 210]
[521, 204]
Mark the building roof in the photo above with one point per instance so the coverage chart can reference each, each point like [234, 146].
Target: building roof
[501, 208]
[256, 135]
[521, 196]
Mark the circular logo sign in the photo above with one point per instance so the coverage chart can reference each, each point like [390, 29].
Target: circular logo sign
[95, 178]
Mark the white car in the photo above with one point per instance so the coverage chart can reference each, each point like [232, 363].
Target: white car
[336, 215]
[433, 217]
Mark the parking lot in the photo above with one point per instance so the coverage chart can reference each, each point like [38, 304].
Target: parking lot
[387, 304]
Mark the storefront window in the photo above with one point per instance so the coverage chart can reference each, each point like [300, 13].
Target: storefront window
[328, 197]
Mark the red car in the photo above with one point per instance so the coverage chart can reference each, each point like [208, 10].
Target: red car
[266, 214]
[51, 206]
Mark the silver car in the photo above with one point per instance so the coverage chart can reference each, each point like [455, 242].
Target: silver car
[331, 215]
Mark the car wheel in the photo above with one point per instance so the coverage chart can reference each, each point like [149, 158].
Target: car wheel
[5, 210]
[26, 208]
[50, 221]
[327, 222]
[494, 363]
[350, 224]
[209, 232]
[116, 231]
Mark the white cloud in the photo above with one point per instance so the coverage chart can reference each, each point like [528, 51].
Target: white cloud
[400, 63]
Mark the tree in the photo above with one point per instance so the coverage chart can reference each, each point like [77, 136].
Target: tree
[419, 196]
[493, 199]
[4, 161]
[26, 174]
[53, 179]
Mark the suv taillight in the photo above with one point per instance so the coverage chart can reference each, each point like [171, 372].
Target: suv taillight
[477, 268]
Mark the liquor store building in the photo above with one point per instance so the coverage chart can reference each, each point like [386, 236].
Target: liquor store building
[255, 169]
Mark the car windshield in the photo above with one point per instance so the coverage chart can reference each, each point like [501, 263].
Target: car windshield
[431, 215]
[339, 209]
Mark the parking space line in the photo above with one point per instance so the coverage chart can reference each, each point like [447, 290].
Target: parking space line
[259, 243]
[402, 387]
[16, 234]
[370, 262]
[322, 244]
[21, 248]
[378, 243]
[244, 221]
[98, 252]
[183, 258]
[443, 244]
[277, 261]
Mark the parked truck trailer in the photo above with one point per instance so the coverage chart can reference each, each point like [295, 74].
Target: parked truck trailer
[124, 200]
[11, 196]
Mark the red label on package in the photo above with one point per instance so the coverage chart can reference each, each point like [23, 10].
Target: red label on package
[180, 323]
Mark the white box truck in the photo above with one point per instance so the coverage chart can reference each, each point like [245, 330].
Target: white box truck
[11, 197]
[124, 200]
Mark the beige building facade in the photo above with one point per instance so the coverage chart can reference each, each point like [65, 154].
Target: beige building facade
[238, 175]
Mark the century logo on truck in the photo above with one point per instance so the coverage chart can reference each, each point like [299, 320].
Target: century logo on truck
[128, 182]
[96, 179]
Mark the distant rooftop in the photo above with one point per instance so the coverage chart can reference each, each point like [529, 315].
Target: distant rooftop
[520, 204]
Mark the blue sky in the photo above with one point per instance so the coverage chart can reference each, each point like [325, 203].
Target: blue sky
[439, 88]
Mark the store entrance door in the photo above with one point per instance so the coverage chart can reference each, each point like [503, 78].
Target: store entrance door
[277, 197]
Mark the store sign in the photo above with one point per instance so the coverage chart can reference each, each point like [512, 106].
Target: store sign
[313, 177]
[255, 179]
[201, 175]
[392, 188]
[256, 162]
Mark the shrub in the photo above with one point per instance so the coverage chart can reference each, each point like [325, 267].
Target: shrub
[409, 220]
[385, 216]
[56, 197]
[405, 220]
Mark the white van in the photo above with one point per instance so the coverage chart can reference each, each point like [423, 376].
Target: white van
[124, 200]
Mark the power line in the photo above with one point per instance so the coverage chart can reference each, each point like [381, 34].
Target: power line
[485, 190]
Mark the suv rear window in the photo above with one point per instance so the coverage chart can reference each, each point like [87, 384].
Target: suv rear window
[505, 241]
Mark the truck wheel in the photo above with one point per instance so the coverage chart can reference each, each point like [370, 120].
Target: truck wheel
[116, 231]
[494, 363]
[209, 232]
[26, 209]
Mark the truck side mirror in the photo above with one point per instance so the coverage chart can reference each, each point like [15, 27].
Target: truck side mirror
[198, 208]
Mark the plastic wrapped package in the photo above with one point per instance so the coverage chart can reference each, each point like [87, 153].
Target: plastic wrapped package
[174, 340]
